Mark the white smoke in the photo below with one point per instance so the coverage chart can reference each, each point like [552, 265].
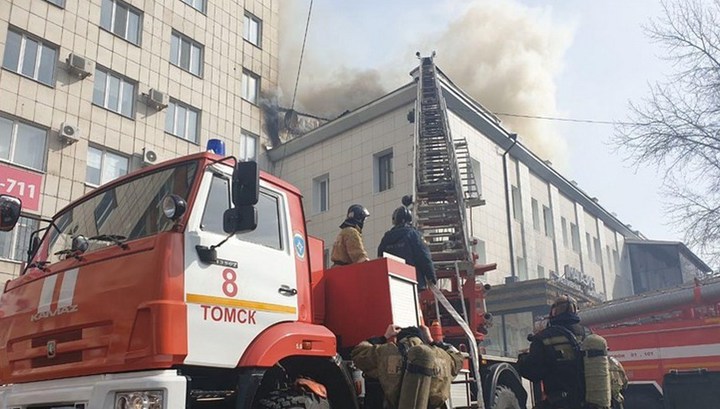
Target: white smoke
[504, 54]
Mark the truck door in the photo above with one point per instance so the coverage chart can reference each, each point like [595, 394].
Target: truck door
[252, 287]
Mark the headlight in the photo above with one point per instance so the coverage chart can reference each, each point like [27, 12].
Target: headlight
[173, 206]
[139, 400]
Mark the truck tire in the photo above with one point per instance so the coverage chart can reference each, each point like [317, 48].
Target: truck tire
[291, 399]
[504, 398]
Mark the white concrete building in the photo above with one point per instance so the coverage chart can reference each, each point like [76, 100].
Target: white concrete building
[546, 235]
[93, 89]
[555, 226]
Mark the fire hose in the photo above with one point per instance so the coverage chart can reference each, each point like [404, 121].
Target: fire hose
[474, 355]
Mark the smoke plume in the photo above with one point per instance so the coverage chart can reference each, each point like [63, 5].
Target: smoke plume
[504, 54]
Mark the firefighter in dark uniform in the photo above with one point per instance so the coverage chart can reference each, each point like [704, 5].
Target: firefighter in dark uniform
[404, 241]
[557, 359]
[414, 372]
[348, 247]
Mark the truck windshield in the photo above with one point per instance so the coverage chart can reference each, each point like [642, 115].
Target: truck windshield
[127, 211]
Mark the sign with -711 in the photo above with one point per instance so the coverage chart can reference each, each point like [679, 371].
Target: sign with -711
[22, 184]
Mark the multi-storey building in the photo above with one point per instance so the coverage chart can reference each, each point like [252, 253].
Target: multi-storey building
[546, 235]
[93, 89]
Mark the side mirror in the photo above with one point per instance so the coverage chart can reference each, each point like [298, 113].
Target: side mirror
[245, 184]
[240, 219]
[10, 207]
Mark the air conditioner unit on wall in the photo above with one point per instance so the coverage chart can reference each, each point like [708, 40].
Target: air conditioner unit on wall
[79, 66]
[156, 99]
[149, 157]
[69, 133]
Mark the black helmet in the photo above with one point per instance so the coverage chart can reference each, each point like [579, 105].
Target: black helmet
[357, 212]
[562, 304]
[401, 216]
[409, 332]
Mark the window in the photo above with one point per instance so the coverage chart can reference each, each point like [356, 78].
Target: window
[22, 143]
[383, 170]
[548, 219]
[182, 121]
[563, 223]
[588, 243]
[477, 173]
[30, 57]
[252, 29]
[522, 269]
[540, 271]
[198, 5]
[598, 250]
[268, 232]
[104, 166]
[479, 250]
[517, 206]
[321, 193]
[535, 215]
[250, 86]
[186, 53]
[59, 3]
[121, 19]
[132, 209]
[218, 201]
[14, 244]
[616, 261]
[113, 92]
[609, 260]
[248, 146]
[517, 328]
[575, 235]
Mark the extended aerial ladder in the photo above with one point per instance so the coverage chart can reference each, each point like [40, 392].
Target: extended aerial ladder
[445, 187]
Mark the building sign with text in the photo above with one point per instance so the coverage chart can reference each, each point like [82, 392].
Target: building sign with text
[23, 184]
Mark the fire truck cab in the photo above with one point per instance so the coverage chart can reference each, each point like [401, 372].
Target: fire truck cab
[155, 291]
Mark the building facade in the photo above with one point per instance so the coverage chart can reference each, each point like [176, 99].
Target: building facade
[546, 235]
[93, 89]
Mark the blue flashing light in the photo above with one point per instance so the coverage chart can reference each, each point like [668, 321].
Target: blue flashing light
[217, 146]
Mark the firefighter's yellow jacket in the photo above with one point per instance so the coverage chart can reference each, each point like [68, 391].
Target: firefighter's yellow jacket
[348, 247]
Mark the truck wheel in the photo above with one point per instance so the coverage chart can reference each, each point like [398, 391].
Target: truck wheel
[504, 398]
[291, 399]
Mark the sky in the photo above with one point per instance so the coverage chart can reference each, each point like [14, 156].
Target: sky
[576, 59]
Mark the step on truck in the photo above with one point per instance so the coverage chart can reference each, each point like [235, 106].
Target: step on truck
[194, 284]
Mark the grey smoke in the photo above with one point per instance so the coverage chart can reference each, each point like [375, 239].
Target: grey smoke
[504, 54]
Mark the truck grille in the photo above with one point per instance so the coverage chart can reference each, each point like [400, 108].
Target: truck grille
[60, 348]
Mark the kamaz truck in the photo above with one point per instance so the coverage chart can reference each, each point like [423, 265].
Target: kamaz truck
[194, 284]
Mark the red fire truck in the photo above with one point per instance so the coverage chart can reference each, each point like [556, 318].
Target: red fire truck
[668, 343]
[194, 284]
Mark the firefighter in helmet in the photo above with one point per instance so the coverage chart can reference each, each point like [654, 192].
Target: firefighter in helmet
[414, 372]
[618, 383]
[569, 360]
[404, 241]
[348, 247]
